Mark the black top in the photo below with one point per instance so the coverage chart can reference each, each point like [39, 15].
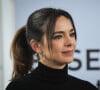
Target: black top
[45, 78]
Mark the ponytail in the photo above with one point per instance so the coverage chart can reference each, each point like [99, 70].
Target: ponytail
[21, 53]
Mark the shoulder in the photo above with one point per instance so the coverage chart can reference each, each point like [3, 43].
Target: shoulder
[21, 83]
[81, 83]
[76, 79]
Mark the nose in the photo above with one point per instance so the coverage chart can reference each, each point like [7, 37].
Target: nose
[68, 41]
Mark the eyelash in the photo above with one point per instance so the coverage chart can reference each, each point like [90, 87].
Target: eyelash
[72, 34]
[60, 36]
[57, 37]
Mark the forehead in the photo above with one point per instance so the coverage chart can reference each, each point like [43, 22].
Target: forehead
[63, 23]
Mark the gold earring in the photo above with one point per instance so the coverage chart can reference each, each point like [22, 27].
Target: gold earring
[42, 53]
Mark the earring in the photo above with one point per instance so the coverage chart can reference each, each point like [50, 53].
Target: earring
[42, 53]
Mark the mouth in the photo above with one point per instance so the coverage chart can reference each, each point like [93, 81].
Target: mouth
[68, 52]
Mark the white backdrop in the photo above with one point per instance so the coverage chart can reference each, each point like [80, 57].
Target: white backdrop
[86, 15]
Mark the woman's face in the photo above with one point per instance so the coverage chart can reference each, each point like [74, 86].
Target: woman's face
[63, 45]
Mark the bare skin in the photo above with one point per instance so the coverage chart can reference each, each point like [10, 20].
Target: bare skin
[63, 45]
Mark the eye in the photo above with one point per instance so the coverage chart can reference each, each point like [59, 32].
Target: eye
[57, 37]
[72, 34]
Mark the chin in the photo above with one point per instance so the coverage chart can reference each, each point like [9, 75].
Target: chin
[69, 60]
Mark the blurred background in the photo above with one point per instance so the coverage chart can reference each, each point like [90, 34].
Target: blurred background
[86, 15]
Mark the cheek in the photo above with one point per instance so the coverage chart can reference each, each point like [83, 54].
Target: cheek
[57, 46]
[74, 44]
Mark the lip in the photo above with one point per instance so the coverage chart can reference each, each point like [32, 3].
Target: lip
[68, 52]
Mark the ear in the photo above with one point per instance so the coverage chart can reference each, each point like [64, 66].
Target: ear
[35, 45]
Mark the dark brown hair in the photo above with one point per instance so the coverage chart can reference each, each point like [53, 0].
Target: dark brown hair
[39, 22]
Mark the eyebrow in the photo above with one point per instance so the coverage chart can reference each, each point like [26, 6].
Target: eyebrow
[59, 32]
[62, 32]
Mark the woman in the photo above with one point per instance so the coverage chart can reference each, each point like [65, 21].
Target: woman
[51, 35]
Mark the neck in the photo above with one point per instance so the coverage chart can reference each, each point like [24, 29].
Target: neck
[52, 75]
[53, 65]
